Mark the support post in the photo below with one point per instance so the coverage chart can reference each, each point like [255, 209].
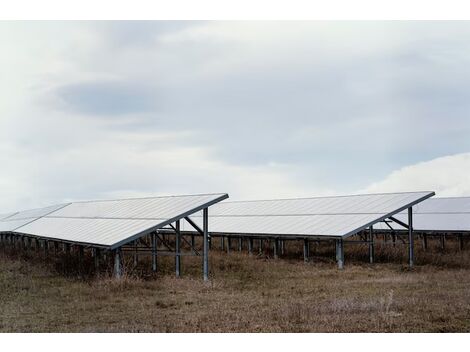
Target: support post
[461, 242]
[276, 248]
[222, 243]
[205, 265]
[80, 256]
[240, 244]
[154, 252]
[425, 241]
[37, 244]
[136, 254]
[371, 244]
[410, 237]
[261, 246]
[56, 247]
[46, 248]
[250, 246]
[340, 253]
[67, 248]
[229, 244]
[443, 241]
[96, 258]
[282, 246]
[306, 250]
[117, 263]
[178, 249]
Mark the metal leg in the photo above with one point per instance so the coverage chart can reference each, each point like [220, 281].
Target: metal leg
[371, 244]
[261, 246]
[443, 241]
[154, 252]
[340, 253]
[229, 244]
[46, 248]
[56, 248]
[240, 244]
[193, 242]
[250, 246]
[282, 246]
[461, 242]
[136, 253]
[96, 257]
[276, 248]
[425, 241]
[410, 237]
[205, 265]
[222, 243]
[117, 263]
[306, 254]
[178, 249]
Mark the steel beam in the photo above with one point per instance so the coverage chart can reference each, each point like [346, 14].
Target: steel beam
[410, 237]
[117, 263]
[340, 253]
[250, 246]
[154, 252]
[178, 249]
[205, 265]
[306, 250]
[371, 244]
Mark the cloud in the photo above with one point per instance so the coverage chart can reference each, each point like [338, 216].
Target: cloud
[447, 176]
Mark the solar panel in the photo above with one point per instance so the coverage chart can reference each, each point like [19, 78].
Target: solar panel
[337, 217]
[107, 223]
[439, 214]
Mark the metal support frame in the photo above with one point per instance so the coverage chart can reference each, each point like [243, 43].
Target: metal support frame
[282, 247]
[410, 237]
[306, 250]
[461, 242]
[56, 247]
[443, 241]
[96, 258]
[205, 265]
[154, 252]
[261, 246]
[117, 263]
[222, 242]
[276, 248]
[178, 249]
[136, 253]
[240, 244]
[340, 253]
[425, 241]
[250, 246]
[229, 244]
[371, 245]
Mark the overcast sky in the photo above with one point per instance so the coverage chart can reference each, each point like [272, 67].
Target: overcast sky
[255, 109]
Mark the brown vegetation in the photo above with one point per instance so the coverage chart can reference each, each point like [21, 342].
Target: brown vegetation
[245, 294]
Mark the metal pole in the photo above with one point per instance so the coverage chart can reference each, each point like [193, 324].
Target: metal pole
[178, 249]
[229, 244]
[340, 253]
[250, 246]
[96, 258]
[117, 263]
[425, 241]
[136, 254]
[410, 236]
[80, 257]
[240, 244]
[37, 245]
[67, 248]
[46, 248]
[461, 242]
[443, 241]
[154, 252]
[206, 244]
[371, 244]
[261, 246]
[282, 246]
[276, 248]
[306, 254]
[56, 247]
[222, 242]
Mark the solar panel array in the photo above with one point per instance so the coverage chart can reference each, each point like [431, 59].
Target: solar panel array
[108, 223]
[338, 217]
[439, 214]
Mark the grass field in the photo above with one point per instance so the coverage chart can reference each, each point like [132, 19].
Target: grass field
[245, 294]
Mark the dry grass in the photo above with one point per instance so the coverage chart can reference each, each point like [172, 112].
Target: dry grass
[245, 294]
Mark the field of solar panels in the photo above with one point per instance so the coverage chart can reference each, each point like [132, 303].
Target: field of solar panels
[245, 293]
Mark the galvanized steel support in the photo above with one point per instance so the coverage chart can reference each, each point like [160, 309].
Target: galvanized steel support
[205, 265]
[306, 250]
[410, 237]
[178, 249]
[250, 246]
[276, 248]
[154, 252]
[282, 246]
[117, 263]
[340, 253]
[371, 244]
